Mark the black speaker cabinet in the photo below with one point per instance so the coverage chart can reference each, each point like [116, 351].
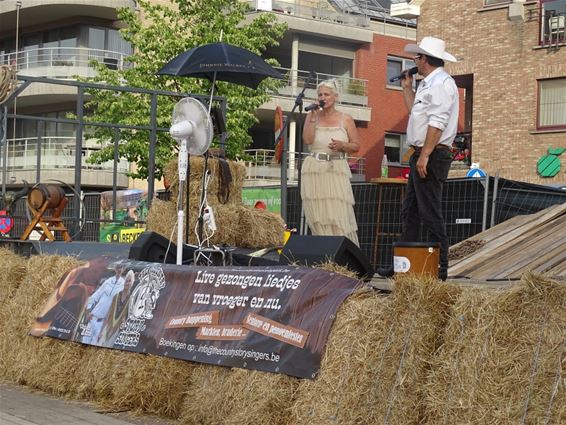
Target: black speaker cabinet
[309, 250]
[152, 247]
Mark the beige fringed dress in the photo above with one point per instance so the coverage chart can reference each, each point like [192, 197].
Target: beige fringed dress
[328, 200]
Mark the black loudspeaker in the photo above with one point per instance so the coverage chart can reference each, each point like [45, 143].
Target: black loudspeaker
[152, 247]
[309, 250]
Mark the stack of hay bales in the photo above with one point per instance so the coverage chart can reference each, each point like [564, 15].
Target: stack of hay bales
[239, 396]
[377, 357]
[237, 224]
[428, 353]
[503, 357]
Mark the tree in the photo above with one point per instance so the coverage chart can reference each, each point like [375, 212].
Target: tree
[158, 35]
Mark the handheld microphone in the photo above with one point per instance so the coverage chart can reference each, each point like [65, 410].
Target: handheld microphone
[402, 75]
[313, 106]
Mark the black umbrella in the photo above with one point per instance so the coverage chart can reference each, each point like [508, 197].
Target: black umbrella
[221, 61]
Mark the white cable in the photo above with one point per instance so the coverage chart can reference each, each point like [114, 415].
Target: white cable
[172, 233]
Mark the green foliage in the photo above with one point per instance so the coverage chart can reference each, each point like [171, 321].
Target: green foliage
[166, 31]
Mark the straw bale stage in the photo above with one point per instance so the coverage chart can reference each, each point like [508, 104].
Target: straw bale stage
[428, 353]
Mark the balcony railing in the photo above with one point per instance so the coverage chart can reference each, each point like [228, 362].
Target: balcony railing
[352, 90]
[315, 10]
[56, 153]
[63, 61]
[262, 167]
[553, 28]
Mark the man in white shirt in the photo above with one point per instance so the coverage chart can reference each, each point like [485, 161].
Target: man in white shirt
[432, 126]
[99, 303]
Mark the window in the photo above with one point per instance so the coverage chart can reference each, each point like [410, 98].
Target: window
[394, 67]
[396, 149]
[105, 45]
[28, 128]
[553, 21]
[552, 103]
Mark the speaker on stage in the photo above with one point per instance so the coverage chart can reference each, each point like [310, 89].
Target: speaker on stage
[309, 250]
[152, 247]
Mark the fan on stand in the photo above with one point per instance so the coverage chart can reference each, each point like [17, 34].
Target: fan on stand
[192, 129]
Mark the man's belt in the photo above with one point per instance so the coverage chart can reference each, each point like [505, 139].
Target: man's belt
[323, 156]
[418, 149]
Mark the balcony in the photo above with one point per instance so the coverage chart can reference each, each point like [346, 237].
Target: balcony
[262, 169]
[36, 13]
[553, 29]
[353, 91]
[57, 161]
[353, 97]
[62, 62]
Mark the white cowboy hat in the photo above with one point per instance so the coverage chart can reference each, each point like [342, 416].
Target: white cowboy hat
[431, 46]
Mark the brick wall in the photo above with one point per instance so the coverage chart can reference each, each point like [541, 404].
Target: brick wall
[505, 60]
[388, 109]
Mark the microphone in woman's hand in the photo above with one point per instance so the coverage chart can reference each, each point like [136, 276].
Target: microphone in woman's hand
[313, 106]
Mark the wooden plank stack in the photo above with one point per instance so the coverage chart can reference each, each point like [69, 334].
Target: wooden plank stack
[535, 242]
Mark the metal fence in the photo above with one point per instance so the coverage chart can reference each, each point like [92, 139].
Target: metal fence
[470, 205]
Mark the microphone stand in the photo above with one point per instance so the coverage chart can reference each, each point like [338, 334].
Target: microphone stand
[298, 104]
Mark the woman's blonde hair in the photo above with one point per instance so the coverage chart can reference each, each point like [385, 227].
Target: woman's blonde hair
[130, 276]
[331, 83]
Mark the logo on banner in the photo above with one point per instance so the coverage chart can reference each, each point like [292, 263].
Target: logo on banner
[142, 303]
[401, 264]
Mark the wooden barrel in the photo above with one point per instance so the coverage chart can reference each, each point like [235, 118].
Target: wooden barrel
[52, 194]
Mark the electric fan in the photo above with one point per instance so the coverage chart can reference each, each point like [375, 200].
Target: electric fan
[192, 129]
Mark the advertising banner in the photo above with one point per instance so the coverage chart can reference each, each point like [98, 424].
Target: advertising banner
[131, 211]
[274, 319]
[267, 198]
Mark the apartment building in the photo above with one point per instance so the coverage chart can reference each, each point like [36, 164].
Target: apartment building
[57, 39]
[355, 41]
[512, 62]
[361, 45]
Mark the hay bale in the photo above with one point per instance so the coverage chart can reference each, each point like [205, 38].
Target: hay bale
[237, 170]
[331, 267]
[377, 357]
[204, 401]
[259, 229]
[13, 272]
[237, 225]
[340, 391]
[142, 383]
[162, 218]
[503, 357]
[238, 397]
[100, 371]
[42, 363]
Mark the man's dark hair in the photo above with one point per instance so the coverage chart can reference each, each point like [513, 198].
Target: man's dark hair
[436, 62]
